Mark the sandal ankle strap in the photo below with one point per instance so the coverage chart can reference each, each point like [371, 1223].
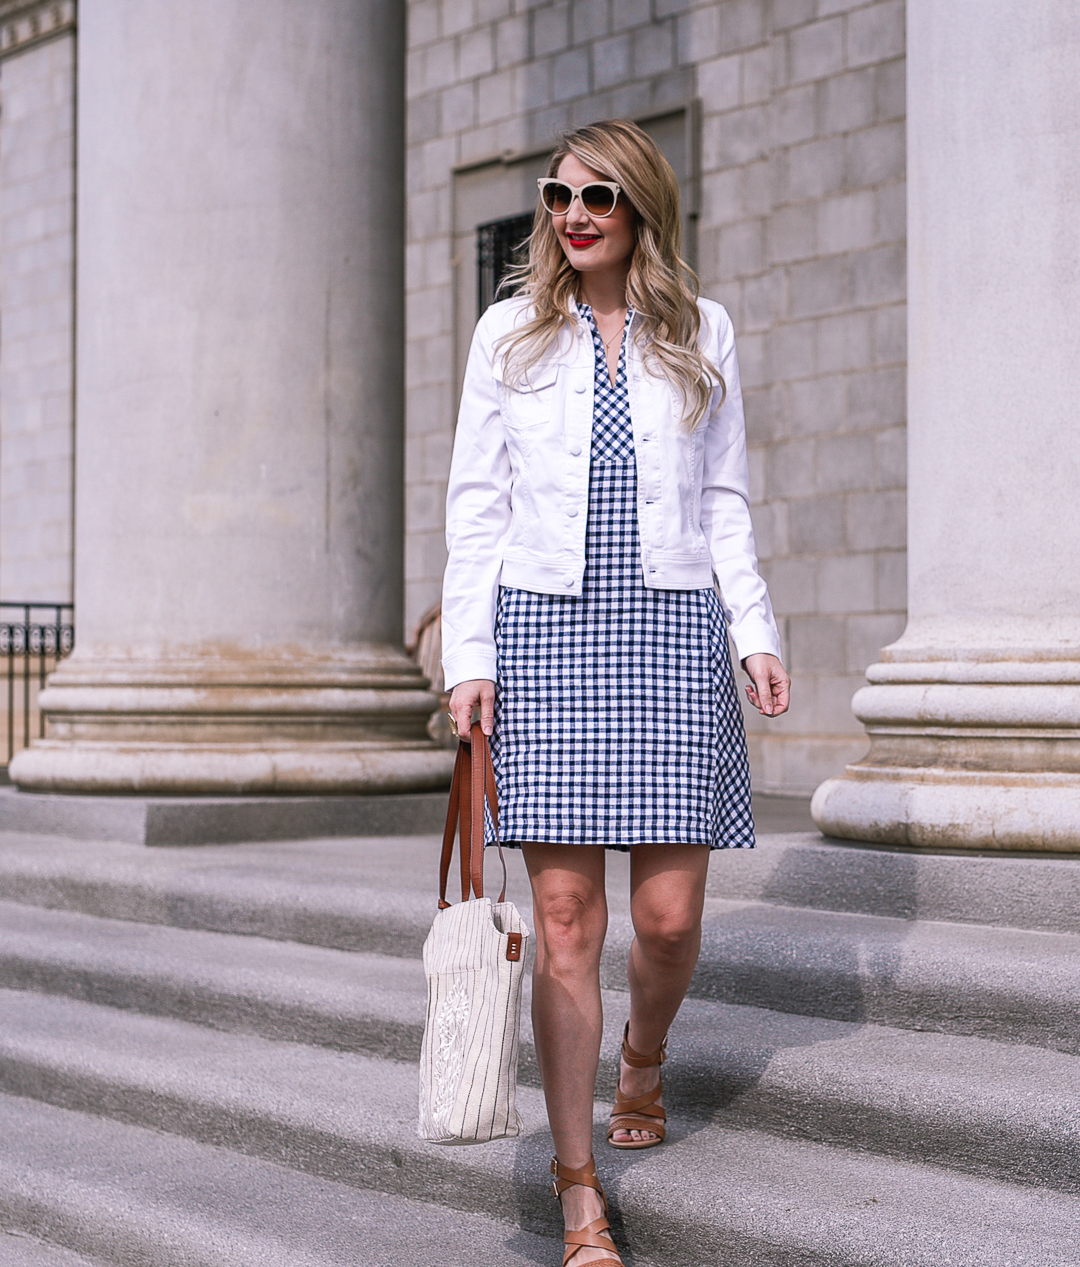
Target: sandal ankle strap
[635, 1059]
[564, 1177]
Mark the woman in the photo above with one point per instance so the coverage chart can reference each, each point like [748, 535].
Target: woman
[598, 483]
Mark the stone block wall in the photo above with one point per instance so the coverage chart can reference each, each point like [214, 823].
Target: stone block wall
[800, 201]
[37, 172]
[490, 79]
[802, 236]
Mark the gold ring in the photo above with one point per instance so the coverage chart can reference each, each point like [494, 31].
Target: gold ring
[453, 726]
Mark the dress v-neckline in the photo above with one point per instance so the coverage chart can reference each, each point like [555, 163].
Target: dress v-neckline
[612, 378]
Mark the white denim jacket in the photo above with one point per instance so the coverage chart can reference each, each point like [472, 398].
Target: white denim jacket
[519, 488]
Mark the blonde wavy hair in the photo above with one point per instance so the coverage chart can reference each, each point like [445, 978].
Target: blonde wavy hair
[661, 287]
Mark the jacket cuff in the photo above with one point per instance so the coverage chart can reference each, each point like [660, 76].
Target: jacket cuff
[467, 666]
[755, 635]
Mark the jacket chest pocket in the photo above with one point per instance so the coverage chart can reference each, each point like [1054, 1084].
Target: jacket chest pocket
[532, 403]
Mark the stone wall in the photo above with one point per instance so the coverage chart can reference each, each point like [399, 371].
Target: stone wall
[36, 316]
[795, 174]
[802, 235]
[491, 80]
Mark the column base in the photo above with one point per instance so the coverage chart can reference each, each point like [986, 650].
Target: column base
[951, 809]
[964, 754]
[288, 720]
[232, 769]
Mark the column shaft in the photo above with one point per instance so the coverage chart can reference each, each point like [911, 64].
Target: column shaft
[974, 714]
[239, 491]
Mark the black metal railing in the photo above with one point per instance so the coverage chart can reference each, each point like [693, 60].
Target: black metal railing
[499, 246]
[34, 637]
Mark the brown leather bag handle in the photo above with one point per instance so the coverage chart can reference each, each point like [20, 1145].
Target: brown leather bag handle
[473, 784]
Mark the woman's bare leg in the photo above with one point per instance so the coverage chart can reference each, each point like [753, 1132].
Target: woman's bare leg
[570, 917]
[667, 895]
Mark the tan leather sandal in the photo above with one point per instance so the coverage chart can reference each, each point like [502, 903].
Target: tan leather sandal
[592, 1235]
[640, 1112]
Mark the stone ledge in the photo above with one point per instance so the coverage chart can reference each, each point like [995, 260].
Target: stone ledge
[26, 23]
[214, 820]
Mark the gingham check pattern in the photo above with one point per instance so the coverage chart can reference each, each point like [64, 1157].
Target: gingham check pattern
[616, 717]
[612, 434]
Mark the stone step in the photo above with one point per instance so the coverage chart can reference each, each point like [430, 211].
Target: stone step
[303, 890]
[17, 1249]
[132, 1197]
[763, 1066]
[868, 1085]
[988, 1108]
[348, 1000]
[806, 869]
[376, 895]
[199, 820]
[313, 1125]
[1000, 983]
[997, 982]
[985, 1108]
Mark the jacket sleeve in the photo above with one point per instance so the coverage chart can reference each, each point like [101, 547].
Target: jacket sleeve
[725, 506]
[477, 521]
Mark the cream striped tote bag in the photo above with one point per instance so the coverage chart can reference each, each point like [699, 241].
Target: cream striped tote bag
[474, 958]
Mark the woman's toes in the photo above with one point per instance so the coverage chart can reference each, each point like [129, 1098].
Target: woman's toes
[633, 1137]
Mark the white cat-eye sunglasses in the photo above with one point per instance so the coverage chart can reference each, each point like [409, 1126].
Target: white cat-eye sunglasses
[598, 197]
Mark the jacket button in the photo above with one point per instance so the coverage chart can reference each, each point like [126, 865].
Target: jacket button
[575, 451]
[569, 580]
[572, 512]
[579, 388]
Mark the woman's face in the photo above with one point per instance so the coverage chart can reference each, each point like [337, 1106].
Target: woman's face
[593, 245]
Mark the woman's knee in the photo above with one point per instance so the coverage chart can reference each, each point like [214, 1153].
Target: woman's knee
[669, 935]
[571, 926]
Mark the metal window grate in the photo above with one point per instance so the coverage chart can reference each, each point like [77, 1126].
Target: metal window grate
[33, 638]
[498, 247]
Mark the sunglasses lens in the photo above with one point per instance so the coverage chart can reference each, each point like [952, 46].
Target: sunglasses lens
[557, 198]
[598, 200]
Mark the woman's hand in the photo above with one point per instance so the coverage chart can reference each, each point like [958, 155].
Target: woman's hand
[771, 684]
[465, 697]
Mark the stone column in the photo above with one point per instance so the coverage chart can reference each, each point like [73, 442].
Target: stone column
[37, 206]
[239, 451]
[974, 714]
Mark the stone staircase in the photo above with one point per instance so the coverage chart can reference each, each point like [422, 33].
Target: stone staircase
[207, 1060]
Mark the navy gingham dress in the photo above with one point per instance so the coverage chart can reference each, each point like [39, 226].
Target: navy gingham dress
[617, 721]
